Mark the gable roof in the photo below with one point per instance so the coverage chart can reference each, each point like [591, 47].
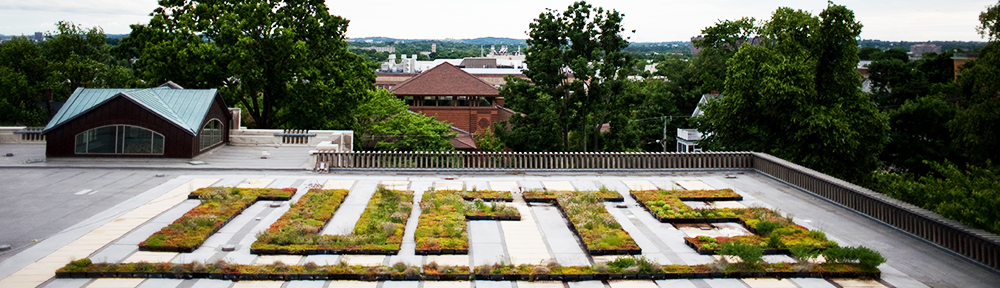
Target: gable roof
[185, 108]
[445, 80]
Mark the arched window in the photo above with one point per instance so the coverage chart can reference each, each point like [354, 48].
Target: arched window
[119, 139]
[211, 134]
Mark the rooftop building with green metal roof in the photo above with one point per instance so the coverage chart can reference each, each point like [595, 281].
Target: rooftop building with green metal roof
[166, 121]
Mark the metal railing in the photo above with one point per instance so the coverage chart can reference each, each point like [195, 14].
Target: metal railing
[975, 244]
[532, 160]
[31, 134]
[295, 136]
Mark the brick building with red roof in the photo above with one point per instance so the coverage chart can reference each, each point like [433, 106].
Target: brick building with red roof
[466, 102]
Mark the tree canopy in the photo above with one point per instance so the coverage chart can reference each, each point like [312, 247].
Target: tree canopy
[385, 124]
[796, 95]
[285, 62]
[578, 75]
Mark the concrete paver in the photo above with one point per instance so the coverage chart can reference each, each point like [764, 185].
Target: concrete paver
[353, 284]
[769, 283]
[306, 284]
[675, 283]
[492, 284]
[639, 185]
[632, 284]
[451, 260]
[524, 241]
[449, 185]
[115, 283]
[338, 184]
[855, 283]
[366, 260]
[693, 185]
[586, 284]
[812, 283]
[558, 186]
[449, 284]
[258, 284]
[160, 283]
[255, 183]
[539, 284]
[505, 186]
[720, 283]
[395, 185]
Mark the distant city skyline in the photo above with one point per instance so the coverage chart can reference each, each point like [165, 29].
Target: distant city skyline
[654, 21]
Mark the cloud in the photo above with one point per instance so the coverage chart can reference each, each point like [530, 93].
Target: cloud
[106, 7]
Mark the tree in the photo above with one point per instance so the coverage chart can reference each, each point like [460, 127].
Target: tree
[286, 62]
[584, 42]
[80, 57]
[718, 44]
[919, 134]
[383, 118]
[797, 96]
[967, 195]
[23, 78]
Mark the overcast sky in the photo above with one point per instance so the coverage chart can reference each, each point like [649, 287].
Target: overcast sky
[653, 20]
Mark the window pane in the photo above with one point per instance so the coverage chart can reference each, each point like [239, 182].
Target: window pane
[483, 102]
[408, 100]
[81, 143]
[211, 134]
[462, 101]
[446, 101]
[102, 140]
[429, 101]
[137, 140]
[157, 144]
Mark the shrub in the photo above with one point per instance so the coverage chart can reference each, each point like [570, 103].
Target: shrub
[751, 255]
[764, 228]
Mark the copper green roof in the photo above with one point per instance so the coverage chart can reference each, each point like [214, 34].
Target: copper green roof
[185, 108]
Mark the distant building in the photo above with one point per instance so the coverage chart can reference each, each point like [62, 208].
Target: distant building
[454, 96]
[695, 50]
[687, 139]
[919, 50]
[389, 49]
[39, 37]
[960, 59]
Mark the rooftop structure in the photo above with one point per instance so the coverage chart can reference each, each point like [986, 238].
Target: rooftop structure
[167, 121]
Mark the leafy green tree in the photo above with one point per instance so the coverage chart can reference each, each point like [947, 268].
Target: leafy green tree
[718, 43]
[797, 96]
[895, 81]
[285, 62]
[486, 141]
[80, 57]
[24, 79]
[869, 53]
[537, 124]
[383, 118]
[584, 42]
[919, 134]
[970, 195]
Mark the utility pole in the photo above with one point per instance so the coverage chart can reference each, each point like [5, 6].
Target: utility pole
[664, 141]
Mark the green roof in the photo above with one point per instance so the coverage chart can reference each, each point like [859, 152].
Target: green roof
[185, 108]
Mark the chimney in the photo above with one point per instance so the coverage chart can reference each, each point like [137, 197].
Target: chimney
[715, 92]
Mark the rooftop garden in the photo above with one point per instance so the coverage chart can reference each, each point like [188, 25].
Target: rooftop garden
[218, 206]
[773, 232]
[852, 263]
[379, 230]
[442, 228]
